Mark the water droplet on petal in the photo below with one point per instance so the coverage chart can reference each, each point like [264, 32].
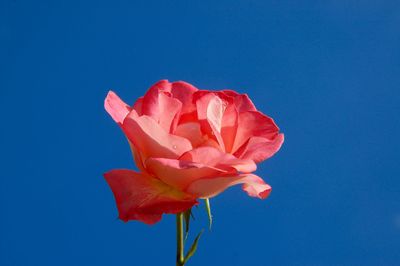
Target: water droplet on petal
[174, 147]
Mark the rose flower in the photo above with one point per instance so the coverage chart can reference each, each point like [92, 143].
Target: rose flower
[188, 144]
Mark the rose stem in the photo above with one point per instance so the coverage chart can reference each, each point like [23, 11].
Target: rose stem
[179, 240]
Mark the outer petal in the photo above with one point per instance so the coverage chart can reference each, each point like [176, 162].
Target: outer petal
[151, 139]
[138, 157]
[259, 149]
[254, 124]
[159, 104]
[180, 174]
[224, 95]
[138, 106]
[141, 197]
[184, 91]
[150, 104]
[243, 103]
[256, 187]
[210, 187]
[116, 107]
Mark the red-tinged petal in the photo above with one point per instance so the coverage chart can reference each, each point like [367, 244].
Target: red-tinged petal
[169, 109]
[188, 118]
[230, 93]
[184, 91]
[151, 139]
[210, 187]
[178, 173]
[215, 111]
[229, 127]
[254, 124]
[116, 107]
[241, 101]
[259, 149]
[213, 157]
[150, 104]
[159, 104]
[138, 106]
[210, 109]
[226, 97]
[244, 104]
[144, 198]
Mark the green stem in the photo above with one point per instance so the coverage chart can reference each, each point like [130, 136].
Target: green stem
[179, 240]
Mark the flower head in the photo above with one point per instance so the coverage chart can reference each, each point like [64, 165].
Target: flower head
[188, 144]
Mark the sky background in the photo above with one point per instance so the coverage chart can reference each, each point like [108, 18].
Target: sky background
[328, 72]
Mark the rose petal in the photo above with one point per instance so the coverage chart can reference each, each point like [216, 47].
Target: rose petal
[138, 106]
[138, 157]
[254, 124]
[184, 91]
[257, 188]
[210, 109]
[259, 149]
[151, 139]
[213, 157]
[150, 105]
[159, 104]
[169, 109]
[178, 173]
[141, 197]
[229, 127]
[117, 109]
[190, 131]
[210, 187]
[244, 104]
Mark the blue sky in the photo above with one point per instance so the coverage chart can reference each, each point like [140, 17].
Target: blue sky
[328, 72]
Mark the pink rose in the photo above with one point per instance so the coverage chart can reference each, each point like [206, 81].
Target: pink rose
[188, 144]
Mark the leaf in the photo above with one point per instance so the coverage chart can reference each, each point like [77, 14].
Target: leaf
[186, 216]
[208, 208]
[193, 248]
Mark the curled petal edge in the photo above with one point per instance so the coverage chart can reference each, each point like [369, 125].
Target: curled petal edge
[211, 187]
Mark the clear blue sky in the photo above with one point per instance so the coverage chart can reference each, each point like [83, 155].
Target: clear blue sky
[327, 71]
